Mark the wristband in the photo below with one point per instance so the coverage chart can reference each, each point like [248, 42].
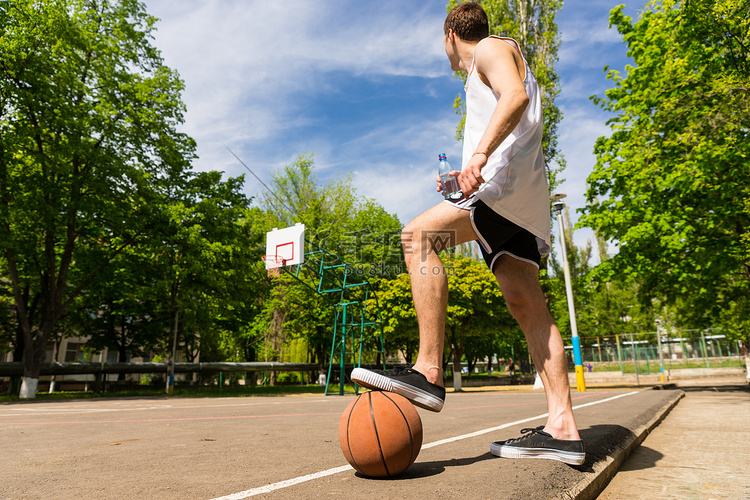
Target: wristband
[481, 153]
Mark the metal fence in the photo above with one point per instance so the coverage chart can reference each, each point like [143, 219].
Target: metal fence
[647, 352]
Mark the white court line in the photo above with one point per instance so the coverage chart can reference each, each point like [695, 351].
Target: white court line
[46, 410]
[302, 479]
[283, 484]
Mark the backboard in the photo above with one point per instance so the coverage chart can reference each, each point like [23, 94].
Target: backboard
[285, 247]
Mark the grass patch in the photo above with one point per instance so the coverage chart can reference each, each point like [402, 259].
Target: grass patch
[654, 365]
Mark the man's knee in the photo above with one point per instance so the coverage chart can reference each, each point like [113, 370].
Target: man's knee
[520, 286]
[416, 241]
[409, 244]
[518, 301]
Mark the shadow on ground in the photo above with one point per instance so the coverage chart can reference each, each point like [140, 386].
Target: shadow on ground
[643, 458]
[602, 441]
[427, 469]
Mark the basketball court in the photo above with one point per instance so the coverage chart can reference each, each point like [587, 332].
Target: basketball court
[274, 447]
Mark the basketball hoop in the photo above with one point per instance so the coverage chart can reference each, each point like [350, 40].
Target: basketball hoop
[273, 265]
[284, 247]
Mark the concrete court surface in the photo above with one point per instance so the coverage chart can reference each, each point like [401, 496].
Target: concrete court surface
[700, 451]
[287, 447]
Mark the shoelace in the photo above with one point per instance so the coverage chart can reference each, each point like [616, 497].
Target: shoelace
[528, 432]
[403, 369]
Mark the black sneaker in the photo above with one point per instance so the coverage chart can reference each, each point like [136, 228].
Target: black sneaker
[538, 444]
[405, 381]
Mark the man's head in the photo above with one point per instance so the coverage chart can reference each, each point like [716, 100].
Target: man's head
[469, 21]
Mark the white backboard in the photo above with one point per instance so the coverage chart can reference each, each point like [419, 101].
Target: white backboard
[287, 245]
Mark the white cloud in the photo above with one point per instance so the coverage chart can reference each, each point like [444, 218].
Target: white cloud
[238, 54]
[255, 71]
[253, 68]
[407, 194]
[405, 184]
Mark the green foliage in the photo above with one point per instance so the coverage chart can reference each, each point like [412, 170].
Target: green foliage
[294, 311]
[88, 117]
[105, 230]
[671, 182]
[207, 263]
[372, 242]
[357, 231]
[478, 321]
[297, 197]
[400, 329]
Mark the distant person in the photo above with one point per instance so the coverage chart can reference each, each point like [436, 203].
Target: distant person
[506, 209]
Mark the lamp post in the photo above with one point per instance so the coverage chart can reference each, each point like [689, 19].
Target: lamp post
[659, 329]
[558, 204]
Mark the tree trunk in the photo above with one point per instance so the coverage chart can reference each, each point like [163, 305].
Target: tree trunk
[28, 387]
[33, 359]
[471, 363]
[55, 348]
[456, 370]
[251, 378]
[122, 357]
[32, 366]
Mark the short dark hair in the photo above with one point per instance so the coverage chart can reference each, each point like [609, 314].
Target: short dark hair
[469, 21]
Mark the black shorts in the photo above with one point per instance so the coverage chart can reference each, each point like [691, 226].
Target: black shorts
[498, 236]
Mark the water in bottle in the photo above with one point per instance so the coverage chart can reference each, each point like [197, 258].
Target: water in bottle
[451, 190]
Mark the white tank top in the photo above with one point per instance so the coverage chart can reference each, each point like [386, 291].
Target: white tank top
[515, 177]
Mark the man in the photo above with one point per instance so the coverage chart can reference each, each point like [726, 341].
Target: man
[506, 209]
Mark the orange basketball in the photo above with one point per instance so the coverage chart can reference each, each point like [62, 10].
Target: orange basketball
[380, 434]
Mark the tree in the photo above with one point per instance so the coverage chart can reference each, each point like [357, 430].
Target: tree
[244, 285]
[372, 242]
[119, 313]
[295, 312]
[88, 117]
[532, 24]
[356, 231]
[671, 182]
[606, 305]
[400, 329]
[195, 274]
[297, 197]
[203, 258]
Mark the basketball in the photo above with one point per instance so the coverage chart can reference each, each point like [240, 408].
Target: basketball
[380, 434]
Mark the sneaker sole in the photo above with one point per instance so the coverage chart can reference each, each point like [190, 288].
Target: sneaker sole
[569, 457]
[419, 397]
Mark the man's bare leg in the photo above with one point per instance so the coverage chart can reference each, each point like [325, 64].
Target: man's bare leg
[519, 282]
[443, 226]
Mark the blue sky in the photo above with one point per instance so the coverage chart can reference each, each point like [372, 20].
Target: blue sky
[365, 86]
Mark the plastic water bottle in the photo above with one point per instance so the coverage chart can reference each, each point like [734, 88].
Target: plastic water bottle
[451, 191]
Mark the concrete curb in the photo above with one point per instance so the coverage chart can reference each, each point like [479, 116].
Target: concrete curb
[590, 487]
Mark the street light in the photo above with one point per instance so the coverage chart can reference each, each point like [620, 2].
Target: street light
[558, 204]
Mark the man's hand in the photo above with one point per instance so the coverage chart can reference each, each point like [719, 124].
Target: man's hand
[470, 177]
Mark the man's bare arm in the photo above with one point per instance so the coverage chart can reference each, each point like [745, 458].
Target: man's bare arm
[501, 68]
